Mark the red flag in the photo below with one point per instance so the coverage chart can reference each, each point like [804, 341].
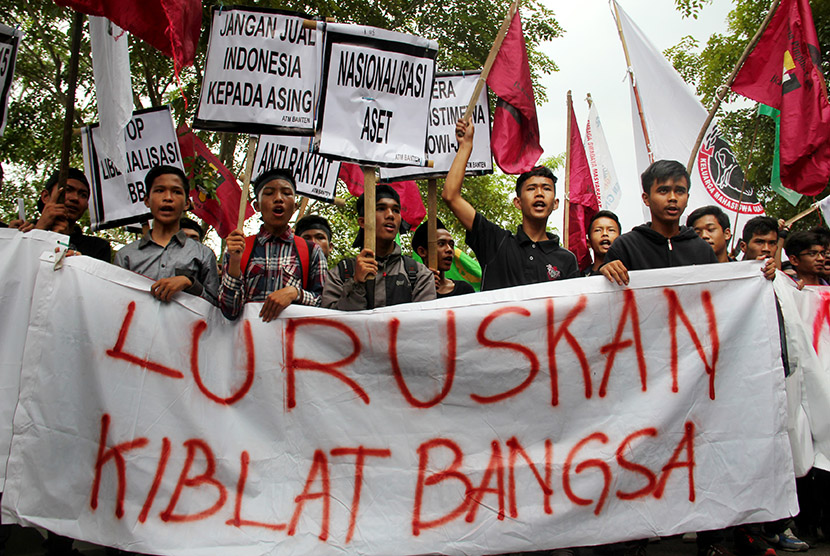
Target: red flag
[515, 137]
[171, 26]
[412, 205]
[222, 212]
[582, 198]
[784, 71]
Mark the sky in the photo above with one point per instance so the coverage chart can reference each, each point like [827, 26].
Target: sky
[591, 60]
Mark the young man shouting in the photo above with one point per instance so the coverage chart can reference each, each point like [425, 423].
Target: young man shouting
[445, 245]
[603, 230]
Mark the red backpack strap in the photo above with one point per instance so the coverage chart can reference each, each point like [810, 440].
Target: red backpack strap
[304, 251]
[250, 241]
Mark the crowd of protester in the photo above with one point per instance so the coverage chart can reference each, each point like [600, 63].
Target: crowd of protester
[283, 264]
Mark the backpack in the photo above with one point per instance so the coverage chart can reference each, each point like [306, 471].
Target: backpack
[303, 247]
[394, 296]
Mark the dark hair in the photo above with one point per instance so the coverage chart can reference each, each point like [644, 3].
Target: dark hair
[542, 171]
[186, 222]
[74, 174]
[382, 191]
[163, 170]
[420, 237]
[274, 174]
[823, 234]
[799, 241]
[312, 222]
[604, 214]
[709, 210]
[663, 170]
[758, 226]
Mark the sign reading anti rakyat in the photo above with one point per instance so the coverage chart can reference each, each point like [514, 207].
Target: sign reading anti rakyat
[316, 175]
[261, 73]
[9, 41]
[117, 198]
[374, 103]
[450, 95]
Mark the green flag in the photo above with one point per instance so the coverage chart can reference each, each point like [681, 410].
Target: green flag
[775, 181]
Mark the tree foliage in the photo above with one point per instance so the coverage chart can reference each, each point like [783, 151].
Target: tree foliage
[752, 137]
[30, 148]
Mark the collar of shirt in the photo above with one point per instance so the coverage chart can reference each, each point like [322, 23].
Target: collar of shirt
[264, 236]
[147, 239]
[549, 245]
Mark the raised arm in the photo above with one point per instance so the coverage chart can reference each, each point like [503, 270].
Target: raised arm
[451, 194]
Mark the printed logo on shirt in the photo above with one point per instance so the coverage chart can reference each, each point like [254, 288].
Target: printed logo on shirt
[553, 272]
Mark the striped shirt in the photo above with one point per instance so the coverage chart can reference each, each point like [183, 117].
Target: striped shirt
[274, 264]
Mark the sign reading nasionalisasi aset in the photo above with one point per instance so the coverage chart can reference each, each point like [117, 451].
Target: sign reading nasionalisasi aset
[261, 73]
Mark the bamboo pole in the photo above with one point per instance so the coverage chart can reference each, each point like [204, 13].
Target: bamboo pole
[491, 57]
[432, 223]
[725, 88]
[246, 181]
[743, 182]
[634, 88]
[370, 180]
[71, 87]
[303, 205]
[565, 217]
[813, 208]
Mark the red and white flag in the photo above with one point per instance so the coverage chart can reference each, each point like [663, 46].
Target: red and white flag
[515, 137]
[784, 71]
[583, 204]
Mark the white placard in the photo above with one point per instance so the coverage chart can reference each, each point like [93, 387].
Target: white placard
[9, 42]
[261, 73]
[117, 198]
[450, 95]
[374, 103]
[521, 419]
[316, 175]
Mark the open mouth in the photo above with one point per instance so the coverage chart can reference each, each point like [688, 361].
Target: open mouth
[278, 211]
[390, 228]
[605, 243]
[539, 205]
[447, 261]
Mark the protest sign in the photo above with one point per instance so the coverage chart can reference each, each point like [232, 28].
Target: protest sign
[9, 41]
[20, 253]
[806, 316]
[117, 198]
[451, 94]
[374, 103]
[536, 417]
[316, 175]
[261, 73]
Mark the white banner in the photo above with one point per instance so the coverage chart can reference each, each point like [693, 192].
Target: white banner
[117, 198]
[9, 42]
[316, 175]
[450, 95]
[20, 254]
[674, 117]
[537, 417]
[374, 103]
[261, 73]
[606, 185]
[807, 323]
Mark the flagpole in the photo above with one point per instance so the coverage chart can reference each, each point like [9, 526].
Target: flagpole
[71, 86]
[566, 217]
[723, 90]
[246, 181]
[491, 57]
[634, 88]
[432, 223]
[743, 182]
[370, 180]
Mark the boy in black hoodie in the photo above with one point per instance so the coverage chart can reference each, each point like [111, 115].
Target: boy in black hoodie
[663, 242]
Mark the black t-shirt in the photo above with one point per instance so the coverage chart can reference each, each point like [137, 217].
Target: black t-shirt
[509, 259]
[461, 287]
[643, 248]
[91, 246]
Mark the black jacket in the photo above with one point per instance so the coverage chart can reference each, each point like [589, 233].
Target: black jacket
[642, 248]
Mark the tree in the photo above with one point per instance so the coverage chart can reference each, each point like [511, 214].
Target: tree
[708, 69]
[30, 148]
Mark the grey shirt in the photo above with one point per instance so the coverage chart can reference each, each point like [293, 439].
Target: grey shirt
[180, 257]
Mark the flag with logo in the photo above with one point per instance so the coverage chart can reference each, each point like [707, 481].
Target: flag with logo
[515, 137]
[606, 184]
[784, 72]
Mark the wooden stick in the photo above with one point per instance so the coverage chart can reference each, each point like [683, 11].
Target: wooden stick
[813, 208]
[491, 57]
[370, 179]
[725, 88]
[246, 181]
[566, 217]
[303, 205]
[743, 182]
[432, 223]
[71, 87]
[634, 86]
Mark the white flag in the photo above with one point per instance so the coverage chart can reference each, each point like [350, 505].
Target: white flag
[113, 87]
[673, 117]
[606, 184]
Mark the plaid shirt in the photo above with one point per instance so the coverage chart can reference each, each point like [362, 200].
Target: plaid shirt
[274, 264]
